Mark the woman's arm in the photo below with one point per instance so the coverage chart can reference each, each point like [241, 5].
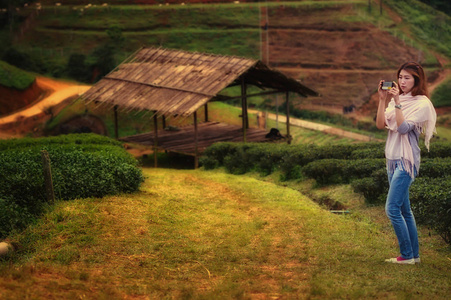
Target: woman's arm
[380, 117]
[398, 111]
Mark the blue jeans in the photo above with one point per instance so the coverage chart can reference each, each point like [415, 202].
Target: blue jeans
[398, 211]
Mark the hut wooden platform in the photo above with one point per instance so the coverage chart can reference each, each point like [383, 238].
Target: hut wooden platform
[176, 83]
[182, 140]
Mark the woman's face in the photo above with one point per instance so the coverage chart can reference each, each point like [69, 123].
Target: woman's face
[406, 81]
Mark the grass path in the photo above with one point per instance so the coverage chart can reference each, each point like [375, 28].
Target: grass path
[210, 235]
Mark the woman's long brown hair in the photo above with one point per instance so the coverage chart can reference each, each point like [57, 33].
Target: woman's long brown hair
[416, 70]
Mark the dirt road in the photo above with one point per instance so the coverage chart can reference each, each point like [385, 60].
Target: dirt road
[320, 127]
[57, 92]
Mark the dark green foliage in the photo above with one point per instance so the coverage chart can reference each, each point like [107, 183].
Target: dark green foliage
[338, 171]
[83, 166]
[374, 188]
[289, 159]
[440, 97]
[208, 162]
[88, 140]
[21, 60]
[238, 162]
[443, 5]
[13, 216]
[370, 152]
[294, 158]
[77, 68]
[436, 167]
[431, 203]
[266, 157]
[325, 171]
[218, 152]
[13, 77]
[437, 149]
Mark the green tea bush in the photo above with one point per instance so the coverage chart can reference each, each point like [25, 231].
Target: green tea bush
[325, 171]
[436, 167]
[370, 152]
[238, 162]
[266, 158]
[437, 149]
[82, 166]
[335, 171]
[218, 151]
[374, 188]
[294, 159]
[69, 139]
[431, 204]
[13, 216]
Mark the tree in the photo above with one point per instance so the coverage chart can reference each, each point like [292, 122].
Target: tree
[77, 68]
[104, 56]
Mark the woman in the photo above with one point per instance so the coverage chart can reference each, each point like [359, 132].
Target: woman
[406, 111]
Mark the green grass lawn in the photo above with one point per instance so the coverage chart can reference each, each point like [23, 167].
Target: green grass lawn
[210, 235]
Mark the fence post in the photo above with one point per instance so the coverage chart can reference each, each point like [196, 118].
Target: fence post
[48, 176]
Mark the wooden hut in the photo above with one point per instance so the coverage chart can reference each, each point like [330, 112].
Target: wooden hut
[177, 83]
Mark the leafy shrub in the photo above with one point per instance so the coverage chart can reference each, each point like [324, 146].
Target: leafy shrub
[294, 159]
[238, 162]
[325, 171]
[436, 167]
[266, 158]
[440, 97]
[78, 139]
[208, 162]
[219, 151]
[370, 152]
[437, 149]
[13, 217]
[333, 171]
[20, 60]
[82, 166]
[13, 77]
[431, 203]
[373, 188]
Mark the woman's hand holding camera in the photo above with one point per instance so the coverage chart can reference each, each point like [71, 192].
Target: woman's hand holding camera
[392, 90]
[382, 92]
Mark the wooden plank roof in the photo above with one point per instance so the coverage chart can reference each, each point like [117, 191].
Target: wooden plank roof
[178, 83]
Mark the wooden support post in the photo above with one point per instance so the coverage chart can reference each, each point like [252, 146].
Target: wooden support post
[287, 102]
[116, 128]
[206, 112]
[48, 176]
[243, 108]
[246, 115]
[155, 140]
[163, 121]
[196, 142]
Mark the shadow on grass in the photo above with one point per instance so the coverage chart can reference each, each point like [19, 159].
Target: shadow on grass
[168, 160]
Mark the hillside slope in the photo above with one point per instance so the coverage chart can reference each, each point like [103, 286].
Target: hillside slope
[336, 48]
[341, 59]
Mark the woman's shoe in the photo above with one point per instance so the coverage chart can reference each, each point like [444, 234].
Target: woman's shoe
[401, 261]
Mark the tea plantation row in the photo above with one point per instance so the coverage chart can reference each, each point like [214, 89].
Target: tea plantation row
[82, 166]
[361, 165]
